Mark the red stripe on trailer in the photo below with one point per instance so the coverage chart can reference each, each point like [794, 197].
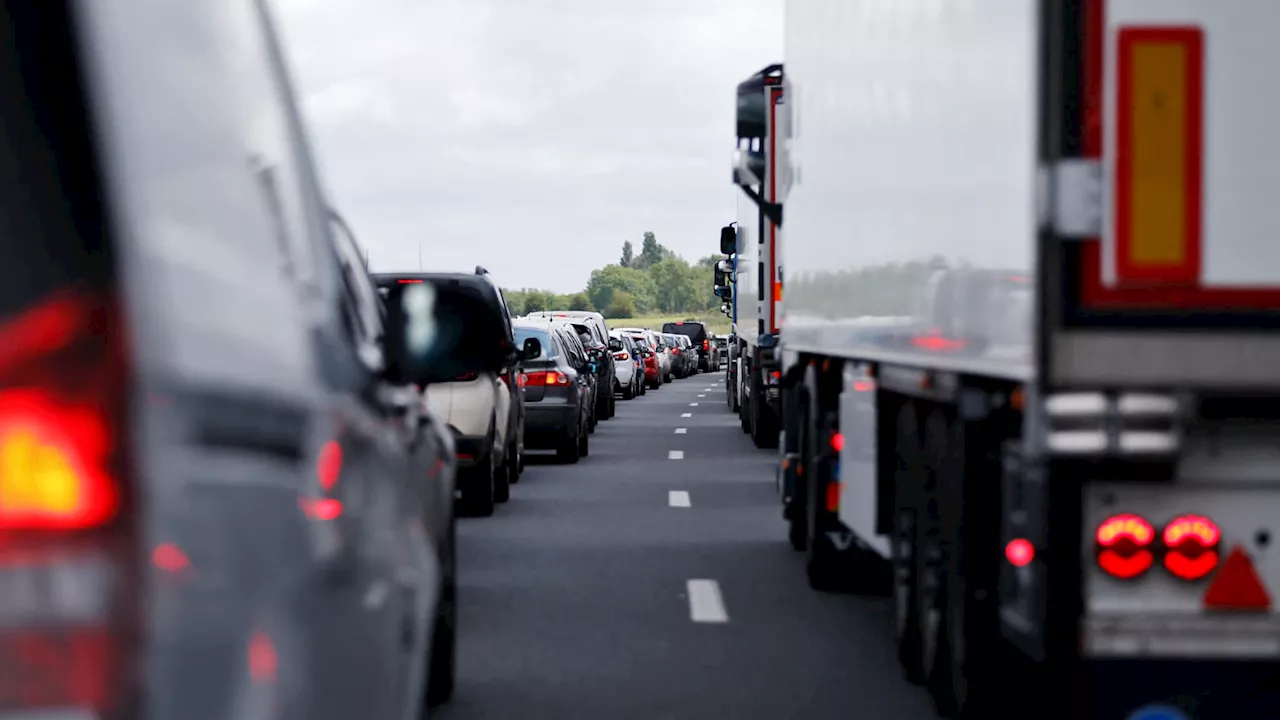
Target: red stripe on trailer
[1093, 293]
[774, 94]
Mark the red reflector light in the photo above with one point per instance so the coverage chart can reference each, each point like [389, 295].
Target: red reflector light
[1192, 546]
[1123, 544]
[833, 497]
[170, 558]
[330, 465]
[263, 662]
[321, 508]
[837, 442]
[52, 462]
[863, 386]
[935, 343]
[1019, 552]
[1237, 586]
[775, 375]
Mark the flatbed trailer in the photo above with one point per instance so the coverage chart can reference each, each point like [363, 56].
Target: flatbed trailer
[1033, 293]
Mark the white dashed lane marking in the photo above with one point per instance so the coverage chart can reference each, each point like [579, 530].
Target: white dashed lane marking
[678, 498]
[693, 404]
[686, 414]
[675, 455]
[706, 605]
[682, 431]
[701, 395]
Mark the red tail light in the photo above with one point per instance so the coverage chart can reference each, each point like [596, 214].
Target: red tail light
[63, 503]
[837, 442]
[1124, 546]
[406, 281]
[1191, 543]
[550, 377]
[937, 343]
[621, 356]
[706, 344]
[675, 351]
[1019, 552]
[864, 386]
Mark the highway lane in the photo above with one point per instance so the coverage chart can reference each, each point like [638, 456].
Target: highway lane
[634, 585]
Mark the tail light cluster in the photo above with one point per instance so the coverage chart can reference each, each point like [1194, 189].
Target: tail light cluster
[706, 344]
[65, 516]
[1127, 546]
[549, 378]
[621, 356]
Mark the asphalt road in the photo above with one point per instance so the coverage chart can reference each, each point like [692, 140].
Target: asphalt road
[596, 594]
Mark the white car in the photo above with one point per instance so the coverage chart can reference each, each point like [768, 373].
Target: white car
[624, 366]
[660, 351]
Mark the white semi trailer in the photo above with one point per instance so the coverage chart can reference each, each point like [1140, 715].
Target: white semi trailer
[1033, 293]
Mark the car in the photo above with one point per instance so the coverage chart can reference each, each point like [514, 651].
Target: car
[483, 410]
[663, 350]
[679, 359]
[650, 355]
[592, 324]
[626, 371]
[688, 354]
[557, 385]
[195, 356]
[699, 335]
[721, 355]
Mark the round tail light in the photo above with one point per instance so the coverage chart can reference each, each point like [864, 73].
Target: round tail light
[1191, 543]
[1124, 546]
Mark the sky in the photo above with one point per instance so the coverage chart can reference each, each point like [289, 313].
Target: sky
[528, 136]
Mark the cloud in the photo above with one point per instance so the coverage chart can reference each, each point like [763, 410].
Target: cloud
[529, 136]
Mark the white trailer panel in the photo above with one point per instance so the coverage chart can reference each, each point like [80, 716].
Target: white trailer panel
[912, 149]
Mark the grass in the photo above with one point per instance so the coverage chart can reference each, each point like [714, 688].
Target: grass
[715, 321]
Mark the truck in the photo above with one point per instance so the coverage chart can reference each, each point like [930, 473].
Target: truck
[1033, 370]
[753, 241]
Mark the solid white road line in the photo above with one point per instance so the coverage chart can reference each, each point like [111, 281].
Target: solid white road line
[706, 605]
[675, 455]
[678, 498]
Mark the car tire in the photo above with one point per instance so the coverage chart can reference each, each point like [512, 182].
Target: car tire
[629, 391]
[444, 632]
[584, 446]
[567, 451]
[591, 421]
[613, 406]
[479, 493]
[502, 480]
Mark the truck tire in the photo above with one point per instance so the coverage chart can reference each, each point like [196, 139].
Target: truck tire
[444, 632]
[764, 423]
[793, 474]
[904, 545]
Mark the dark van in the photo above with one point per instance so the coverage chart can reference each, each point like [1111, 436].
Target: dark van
[697, 332]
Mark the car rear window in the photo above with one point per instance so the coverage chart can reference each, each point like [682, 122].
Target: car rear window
[694, 331]
[543, 337]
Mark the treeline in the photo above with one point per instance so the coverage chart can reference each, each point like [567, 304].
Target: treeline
[654, 281]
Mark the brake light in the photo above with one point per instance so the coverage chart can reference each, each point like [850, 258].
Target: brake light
[837, 442]
[52, 472]
[550, 377]
[407, 281]
[621, 356]
[706, 344]
[329, 466]
[1191, 543]
[1124, 546]
[675, 351]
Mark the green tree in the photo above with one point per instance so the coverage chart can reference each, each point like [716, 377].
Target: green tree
[628, 254]
[621, 305]
[676, 284]
[536, 301]
[579, 301]
[651, 253]
[611, 278]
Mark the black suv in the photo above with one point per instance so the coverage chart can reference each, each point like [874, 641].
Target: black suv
[697, 332]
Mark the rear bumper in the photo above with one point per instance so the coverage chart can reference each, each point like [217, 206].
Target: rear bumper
[545, 426]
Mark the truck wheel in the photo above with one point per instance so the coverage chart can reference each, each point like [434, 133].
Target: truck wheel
[793, 474]
[764, 424]
[904, 546]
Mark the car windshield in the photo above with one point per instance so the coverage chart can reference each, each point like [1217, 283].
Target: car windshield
[542, 336]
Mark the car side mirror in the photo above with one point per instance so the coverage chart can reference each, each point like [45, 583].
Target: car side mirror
[728, 240]
[615, 345]
[433, 338]
[531, 349]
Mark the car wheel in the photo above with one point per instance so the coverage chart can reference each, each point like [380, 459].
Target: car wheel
[478, 493]
[591, 420]
[444, 632]
[567, 450]
[584, 445]
[629, 391]
[502, 480]
[613, 406]
[513, 463]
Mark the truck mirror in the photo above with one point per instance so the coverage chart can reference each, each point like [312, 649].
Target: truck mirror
[724, 292]
[728, 240]
[724, 266]
[720, 278]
